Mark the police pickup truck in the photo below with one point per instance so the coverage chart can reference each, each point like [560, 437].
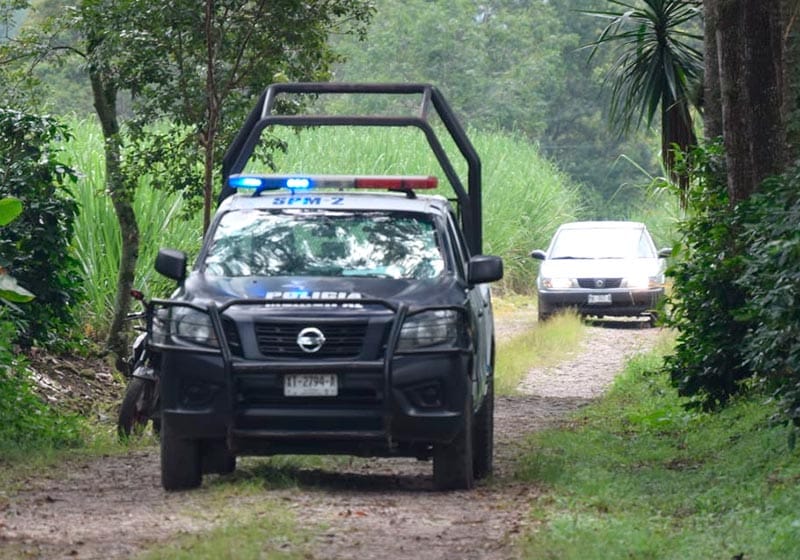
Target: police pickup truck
[331, 314]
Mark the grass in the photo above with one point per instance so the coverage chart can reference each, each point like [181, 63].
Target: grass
[536, 345]
[97, 240]
[254, 528]
[637, 476]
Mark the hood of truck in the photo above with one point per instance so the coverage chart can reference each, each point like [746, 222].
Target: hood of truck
[443, 290]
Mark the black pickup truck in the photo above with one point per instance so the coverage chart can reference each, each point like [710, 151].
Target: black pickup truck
[332, 314]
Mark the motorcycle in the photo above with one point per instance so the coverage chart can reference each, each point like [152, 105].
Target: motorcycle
[141, 403]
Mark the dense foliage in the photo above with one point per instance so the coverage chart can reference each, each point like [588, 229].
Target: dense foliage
[736, 299]
[709, 359]
[771, 277]
[25, 421]
[35, 246]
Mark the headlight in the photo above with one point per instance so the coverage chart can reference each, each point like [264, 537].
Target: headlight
[558, 283]
[192, 326]
[431, 328]
[643, 282]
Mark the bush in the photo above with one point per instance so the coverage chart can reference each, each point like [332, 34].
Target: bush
[771, 277]
[25, 421]
[707, 300]
[35, 247]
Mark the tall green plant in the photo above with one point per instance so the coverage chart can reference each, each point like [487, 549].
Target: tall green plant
[97, 241]
[659, 66]
[35, 247]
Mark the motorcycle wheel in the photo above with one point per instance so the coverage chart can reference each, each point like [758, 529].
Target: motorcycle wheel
[134, 412]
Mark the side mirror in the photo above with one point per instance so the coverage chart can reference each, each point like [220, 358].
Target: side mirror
[172, 264]
[484, 269]
[538, 254]
[665, 253]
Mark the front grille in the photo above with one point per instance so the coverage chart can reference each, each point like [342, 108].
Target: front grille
[342, 340]
[600, 283]
[232, 336]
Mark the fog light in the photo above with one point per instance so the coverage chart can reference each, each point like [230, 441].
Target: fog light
[426, 396]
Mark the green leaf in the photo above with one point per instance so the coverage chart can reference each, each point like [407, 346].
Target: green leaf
[13, 292]
[10, 208]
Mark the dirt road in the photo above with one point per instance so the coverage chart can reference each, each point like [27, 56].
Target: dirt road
[114, 507]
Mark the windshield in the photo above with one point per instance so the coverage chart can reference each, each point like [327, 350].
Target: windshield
[324, 243]
[602, 243]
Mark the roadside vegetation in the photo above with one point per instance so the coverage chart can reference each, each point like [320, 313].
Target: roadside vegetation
[533, 344]
[636, 475]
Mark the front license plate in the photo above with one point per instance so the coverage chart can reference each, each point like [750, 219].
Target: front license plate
[310, 385]
[599, 299]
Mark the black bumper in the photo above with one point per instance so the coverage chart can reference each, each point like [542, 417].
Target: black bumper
[417, 402]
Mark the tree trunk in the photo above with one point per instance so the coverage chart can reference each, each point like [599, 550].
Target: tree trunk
[790, 17]
[105, 94]
[712, 103]
[749, 54]
[212, 117]
[764, 44]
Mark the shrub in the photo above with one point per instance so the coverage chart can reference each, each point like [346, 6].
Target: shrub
[35, 247]
[25, 421]
[771, 277]
[710, 360]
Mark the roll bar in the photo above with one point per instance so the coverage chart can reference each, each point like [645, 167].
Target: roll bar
[263, 115]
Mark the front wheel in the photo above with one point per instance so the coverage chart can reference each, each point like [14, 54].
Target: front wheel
[453, 461]
[181, 461]
[543, 311]
[134, 412]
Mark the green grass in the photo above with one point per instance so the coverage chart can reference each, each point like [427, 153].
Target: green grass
[637, 476]
[97, 241]
[536, 345]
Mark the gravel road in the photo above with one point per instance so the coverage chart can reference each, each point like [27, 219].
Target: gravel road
[113, 507]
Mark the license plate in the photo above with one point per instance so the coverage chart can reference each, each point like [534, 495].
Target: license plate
[599, 299]
[310, 385]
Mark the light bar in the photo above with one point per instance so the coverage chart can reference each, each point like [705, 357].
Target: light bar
[261, 183]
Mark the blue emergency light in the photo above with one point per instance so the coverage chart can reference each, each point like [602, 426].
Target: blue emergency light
[261, 183]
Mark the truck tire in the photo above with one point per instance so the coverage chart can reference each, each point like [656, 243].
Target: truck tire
[181, 464]
[483, 436]
[452, 462]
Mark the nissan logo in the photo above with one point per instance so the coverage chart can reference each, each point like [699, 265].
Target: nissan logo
[310, 340]
[599, 283]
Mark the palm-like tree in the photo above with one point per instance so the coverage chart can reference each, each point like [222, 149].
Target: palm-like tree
[659, 66]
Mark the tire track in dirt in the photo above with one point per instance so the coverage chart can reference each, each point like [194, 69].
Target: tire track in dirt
[114, 507]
